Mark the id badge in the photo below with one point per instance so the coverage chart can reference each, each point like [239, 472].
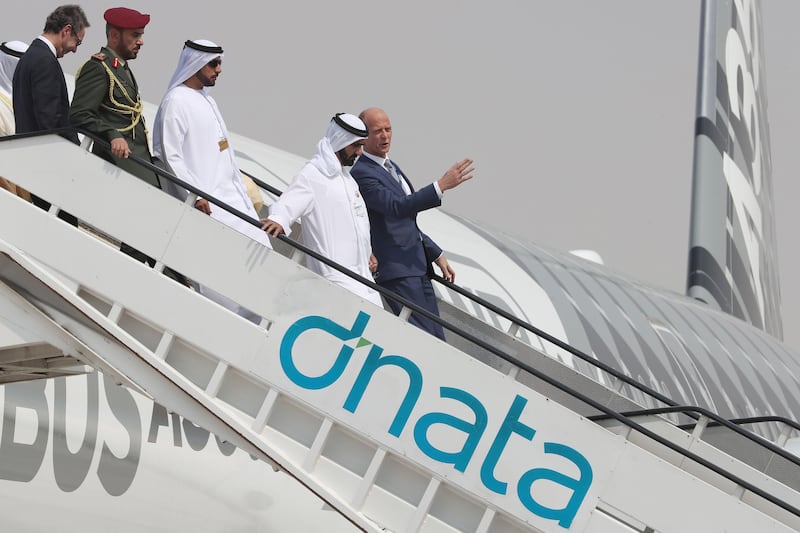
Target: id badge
[359, 209]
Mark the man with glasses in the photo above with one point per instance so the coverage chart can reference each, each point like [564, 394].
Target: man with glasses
[40, 91]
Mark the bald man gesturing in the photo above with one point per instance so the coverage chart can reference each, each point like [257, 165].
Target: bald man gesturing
[404, 253]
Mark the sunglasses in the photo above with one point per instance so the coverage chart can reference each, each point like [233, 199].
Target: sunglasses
[214, 63]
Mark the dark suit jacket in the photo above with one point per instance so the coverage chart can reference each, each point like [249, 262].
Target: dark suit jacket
[40, 92]
[401, 248]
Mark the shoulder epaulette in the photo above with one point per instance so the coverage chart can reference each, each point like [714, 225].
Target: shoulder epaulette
[100, 56]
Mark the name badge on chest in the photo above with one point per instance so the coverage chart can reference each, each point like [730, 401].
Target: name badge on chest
[359, 208]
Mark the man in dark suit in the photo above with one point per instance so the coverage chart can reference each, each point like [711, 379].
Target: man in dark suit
[40, 91]
[404, 253]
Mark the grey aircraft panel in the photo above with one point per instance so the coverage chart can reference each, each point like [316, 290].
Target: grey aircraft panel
[716, 361]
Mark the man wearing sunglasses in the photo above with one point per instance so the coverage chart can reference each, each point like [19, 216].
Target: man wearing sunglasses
[191, 139]
[40, 91]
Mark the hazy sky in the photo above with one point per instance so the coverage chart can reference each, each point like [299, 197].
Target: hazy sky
[578, 113]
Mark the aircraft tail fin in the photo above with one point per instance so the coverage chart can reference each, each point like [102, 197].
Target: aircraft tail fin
[733, 260]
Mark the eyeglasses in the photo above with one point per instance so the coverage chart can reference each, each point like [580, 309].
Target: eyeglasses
[78, 40]
[214, 63]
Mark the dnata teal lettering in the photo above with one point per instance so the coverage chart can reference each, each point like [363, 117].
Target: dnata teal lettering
[579, 487]
[329, 326]
[511, 424]
[371, 364]
[474, 430]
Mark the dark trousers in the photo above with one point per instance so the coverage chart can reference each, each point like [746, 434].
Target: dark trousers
[419, 290]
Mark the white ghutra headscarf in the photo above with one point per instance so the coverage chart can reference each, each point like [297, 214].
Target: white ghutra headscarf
[343, 130]
[194, 56]
[10, 52]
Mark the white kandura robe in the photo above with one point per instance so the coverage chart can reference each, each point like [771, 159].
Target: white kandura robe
[186, 137]
[6, 114]
[335, 224]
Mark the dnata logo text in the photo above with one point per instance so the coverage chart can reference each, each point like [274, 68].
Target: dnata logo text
[409, 418]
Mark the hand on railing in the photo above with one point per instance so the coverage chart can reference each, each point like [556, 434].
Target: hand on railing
[272, 228]
[120, 148]
[201, 204]
[447, 271]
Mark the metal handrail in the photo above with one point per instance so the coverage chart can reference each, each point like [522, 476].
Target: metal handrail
[752, 420]
[610, 413]
[556, 341]
[717, 420]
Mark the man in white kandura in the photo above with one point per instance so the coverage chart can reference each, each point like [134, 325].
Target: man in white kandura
[190, 137]
[10, 52]
[326, 199]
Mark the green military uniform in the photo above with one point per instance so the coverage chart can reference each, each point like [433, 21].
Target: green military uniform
[107, 103]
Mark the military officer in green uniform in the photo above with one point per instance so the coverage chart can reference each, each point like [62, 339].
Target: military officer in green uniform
[107, 103]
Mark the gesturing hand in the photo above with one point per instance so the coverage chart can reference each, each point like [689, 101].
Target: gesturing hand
[457, 174]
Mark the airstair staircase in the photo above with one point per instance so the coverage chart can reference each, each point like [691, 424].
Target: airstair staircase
[393, 428]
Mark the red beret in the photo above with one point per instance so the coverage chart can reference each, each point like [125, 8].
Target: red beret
[124, 18]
